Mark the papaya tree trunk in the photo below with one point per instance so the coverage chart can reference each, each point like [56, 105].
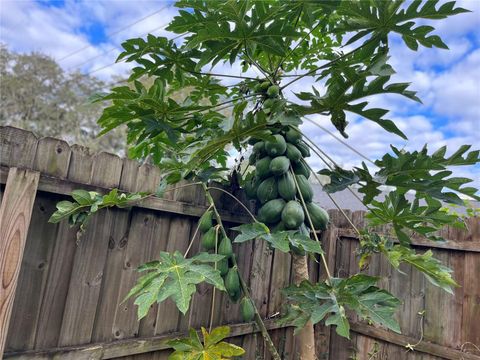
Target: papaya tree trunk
[305, 340]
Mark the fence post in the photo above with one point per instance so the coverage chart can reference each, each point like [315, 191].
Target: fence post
[15, 214]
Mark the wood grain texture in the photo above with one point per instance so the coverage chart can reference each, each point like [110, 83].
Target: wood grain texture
[15, 215]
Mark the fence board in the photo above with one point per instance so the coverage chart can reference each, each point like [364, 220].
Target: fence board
[15, 215]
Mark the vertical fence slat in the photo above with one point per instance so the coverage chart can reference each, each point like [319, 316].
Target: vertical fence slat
[15, 214]
[17, 147]
[86, 279]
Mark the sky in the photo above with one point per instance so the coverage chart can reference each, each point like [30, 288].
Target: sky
[86, 35]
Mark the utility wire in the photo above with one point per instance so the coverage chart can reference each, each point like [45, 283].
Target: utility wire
[340, 140]
[114, 33]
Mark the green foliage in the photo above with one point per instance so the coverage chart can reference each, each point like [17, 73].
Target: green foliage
[330, 301]
[192, 348]
[87, 203]
[175, 277]
[435, 272]
[281, 240]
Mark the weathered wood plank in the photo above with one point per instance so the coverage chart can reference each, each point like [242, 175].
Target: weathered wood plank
[402, 340]
[86, 279]
[126, 347]
[17, 147]
[52, 157]
[65, 187]
[15, 215]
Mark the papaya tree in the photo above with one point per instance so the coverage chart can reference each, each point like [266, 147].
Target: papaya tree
[239, 60]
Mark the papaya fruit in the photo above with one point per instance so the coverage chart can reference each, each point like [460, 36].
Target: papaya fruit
[205, 223]
[318, 215]
[271, 211]
[209, 239]
[267, 190]
[293, 153]
[273, 91]
[293, 136]
[265, 85]
[286, 187]
[247, 309]
[277, 146]
[279, 165]
[278, 227]
[222, 266]
[259, 148]
[252, 159]
[250, 187]
[225, 247]
[303, 147]
[267, 105]
[305, 188]
[300, 168]
[262, 167]
[293, 215]
[232, 284]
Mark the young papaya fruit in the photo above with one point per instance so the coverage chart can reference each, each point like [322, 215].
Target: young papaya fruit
[273, 91]
[232, 284]
[286, 186]
[259, 148]
[225, 247]
[222, 266]
[279, 165]
[209, 239]
[251, 186]
[267, 190]
[262, 167]
[300, 168]
[293, 136]
[293, 153]
[303, 147]
[205, 223]
[247, 309]
[318, 215]
[277, 146]
[271, 211]
[293, 215]
[305, 188]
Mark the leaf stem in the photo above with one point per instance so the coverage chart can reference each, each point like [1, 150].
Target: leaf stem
[258, 319]
[236, 199]
[193, 238]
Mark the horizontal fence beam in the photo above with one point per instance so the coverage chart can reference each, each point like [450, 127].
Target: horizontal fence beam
[128, 346]
[65, 187]
[471, 246]
[402, 340]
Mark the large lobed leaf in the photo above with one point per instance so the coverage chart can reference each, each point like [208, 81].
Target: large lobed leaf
[330, 300]
[175, 277]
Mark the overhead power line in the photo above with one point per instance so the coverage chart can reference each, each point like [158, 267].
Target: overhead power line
[114, 33]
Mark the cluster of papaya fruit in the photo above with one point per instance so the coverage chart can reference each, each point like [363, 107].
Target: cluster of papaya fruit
[210, 235]
[280, 177]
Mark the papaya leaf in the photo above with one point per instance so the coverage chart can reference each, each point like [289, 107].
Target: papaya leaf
[329, 301]
[251, 231]
[192, 348]
[176, 277]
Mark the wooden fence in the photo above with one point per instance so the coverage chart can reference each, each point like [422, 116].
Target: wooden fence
[68, 298]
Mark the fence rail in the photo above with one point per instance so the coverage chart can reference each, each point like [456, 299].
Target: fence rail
[68, 299]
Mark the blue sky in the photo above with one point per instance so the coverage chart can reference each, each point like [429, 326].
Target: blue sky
[448, 82]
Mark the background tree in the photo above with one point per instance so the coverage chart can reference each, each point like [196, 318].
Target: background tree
[192, 139]
[38, 95]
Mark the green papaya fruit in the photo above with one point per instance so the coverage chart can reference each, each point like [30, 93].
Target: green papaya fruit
[252, 159]
[279, 165]
[259, 148]
[205, 223]
[286, 186]
[209, 239]
[277, 146]
[262, 167]
[278, 227]
[225, 247]
[271, 211]
[251, 186]
[267, 104]
[293, 136]
[303, 147]
[273, 91]
[222, 266]
[300, 168]
[318, 215]
[232, 284]
[265, 85]
[247, 309]
[293, 153]
[293, 215]
[305, 188]
[267, 190]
